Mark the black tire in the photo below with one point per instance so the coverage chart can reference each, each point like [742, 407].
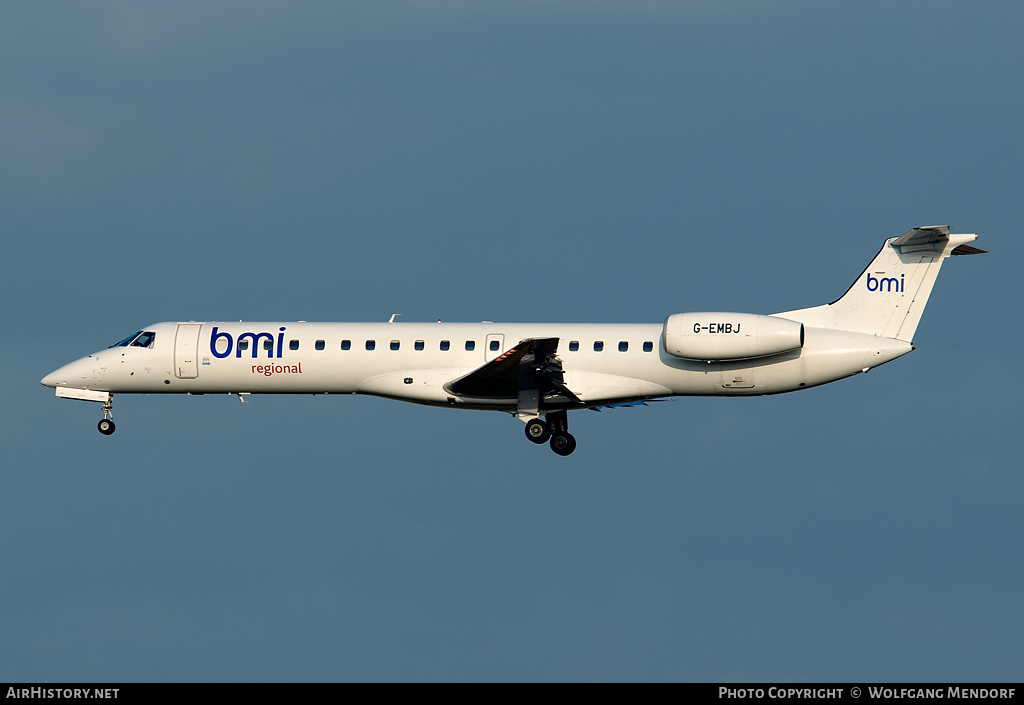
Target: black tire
[106, 426]
[538, 431]
[563, 443]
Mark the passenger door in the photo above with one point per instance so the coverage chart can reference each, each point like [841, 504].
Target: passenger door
[186, 349]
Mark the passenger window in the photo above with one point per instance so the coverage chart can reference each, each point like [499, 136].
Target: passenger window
[623, 346]
[346, 345]
[648, 346]
[319, 345]
[395, 345]
[470, 345]
[418, 345]
[243, 344]
[268, 344]
[371, 344]
[598, 345]
[293, 345]
[574, 345]
[494, 346]
[445, 344]
[145, 340]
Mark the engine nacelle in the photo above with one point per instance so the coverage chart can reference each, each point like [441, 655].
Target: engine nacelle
[730, 336]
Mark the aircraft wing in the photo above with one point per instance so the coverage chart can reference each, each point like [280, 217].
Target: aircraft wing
[532, 364]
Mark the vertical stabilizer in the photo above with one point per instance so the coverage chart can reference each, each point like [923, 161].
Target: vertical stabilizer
[890, 295]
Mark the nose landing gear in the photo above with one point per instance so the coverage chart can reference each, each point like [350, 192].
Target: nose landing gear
[106, 424]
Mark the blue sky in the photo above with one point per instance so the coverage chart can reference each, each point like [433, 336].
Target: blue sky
[567, 161]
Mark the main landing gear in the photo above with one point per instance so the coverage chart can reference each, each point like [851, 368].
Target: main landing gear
[554, 429]
[106, 425]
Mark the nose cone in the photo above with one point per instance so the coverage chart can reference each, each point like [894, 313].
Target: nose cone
[83, 373]
[64, 376]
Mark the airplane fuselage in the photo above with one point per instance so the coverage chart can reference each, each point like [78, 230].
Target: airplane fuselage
[603, 363]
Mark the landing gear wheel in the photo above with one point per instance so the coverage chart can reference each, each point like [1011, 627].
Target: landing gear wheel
[538, 431]
[563, 443]
[106, 426]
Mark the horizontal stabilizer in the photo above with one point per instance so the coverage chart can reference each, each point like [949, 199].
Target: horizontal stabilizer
[968, 250]
[923, 236]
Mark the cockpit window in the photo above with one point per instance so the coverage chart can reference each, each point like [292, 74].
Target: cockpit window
[140, 339]
[127, 341]
[145, 340]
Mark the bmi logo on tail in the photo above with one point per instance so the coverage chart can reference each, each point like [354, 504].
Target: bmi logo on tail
[890, 283]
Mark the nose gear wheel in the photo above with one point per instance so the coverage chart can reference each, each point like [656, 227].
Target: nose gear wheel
[106, 424]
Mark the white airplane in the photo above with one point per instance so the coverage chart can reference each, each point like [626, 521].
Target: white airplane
[535, 369]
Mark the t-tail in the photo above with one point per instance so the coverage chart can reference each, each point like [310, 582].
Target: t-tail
[890, 295]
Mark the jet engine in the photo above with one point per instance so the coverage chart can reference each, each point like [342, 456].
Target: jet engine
[730, 336]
